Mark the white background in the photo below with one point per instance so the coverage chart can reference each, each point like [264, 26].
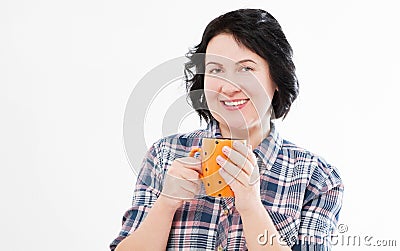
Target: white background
[67, 69]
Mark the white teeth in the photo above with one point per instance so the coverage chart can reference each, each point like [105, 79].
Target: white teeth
[235, 103]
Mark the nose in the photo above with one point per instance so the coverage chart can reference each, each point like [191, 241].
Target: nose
[229, 89]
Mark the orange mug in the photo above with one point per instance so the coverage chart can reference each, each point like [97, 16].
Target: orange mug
[213, 182]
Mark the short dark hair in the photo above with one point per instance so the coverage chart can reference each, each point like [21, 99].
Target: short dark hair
[261, 33]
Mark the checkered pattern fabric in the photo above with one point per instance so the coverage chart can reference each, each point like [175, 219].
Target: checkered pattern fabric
[301, 192]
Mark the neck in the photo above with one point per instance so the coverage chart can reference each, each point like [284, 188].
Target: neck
[254, 134]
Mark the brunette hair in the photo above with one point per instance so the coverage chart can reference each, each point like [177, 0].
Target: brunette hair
[261, 33]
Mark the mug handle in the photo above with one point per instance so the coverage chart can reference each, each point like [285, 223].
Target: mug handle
[193, 152]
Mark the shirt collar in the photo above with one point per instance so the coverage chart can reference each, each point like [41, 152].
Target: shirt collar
[267, 150]
[213, 130]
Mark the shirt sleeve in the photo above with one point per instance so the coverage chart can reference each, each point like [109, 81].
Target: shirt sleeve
[321, 207]
[147, 189]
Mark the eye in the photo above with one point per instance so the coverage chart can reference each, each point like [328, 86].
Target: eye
[214, 70]
[246, 68]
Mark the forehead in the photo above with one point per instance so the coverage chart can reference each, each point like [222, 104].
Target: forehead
[224, 47]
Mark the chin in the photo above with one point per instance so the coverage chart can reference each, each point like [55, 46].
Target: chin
[236, 123]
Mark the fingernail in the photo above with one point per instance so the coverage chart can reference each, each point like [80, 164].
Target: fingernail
[236, 143]
[220, 159]
[225, 150]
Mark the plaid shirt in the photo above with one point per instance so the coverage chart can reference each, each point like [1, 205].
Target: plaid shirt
[300, 191]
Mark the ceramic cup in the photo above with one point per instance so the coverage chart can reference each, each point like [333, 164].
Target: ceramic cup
[213, 182]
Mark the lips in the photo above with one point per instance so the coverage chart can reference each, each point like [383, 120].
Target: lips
[234, 104]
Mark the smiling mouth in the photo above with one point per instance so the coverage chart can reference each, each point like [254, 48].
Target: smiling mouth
[236, 103]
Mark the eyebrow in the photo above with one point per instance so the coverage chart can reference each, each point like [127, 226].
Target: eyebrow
[246, 60]
[239, 62]
[214, 63]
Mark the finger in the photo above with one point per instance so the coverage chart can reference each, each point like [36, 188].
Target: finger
[251, 156]
[229, 179]
[176, 190]
[188, 174]
[234, 171]
[246, 151]
[179, 188]
[234, 182]
[191, 163]
[254, 177]
[238, 159]
[179, 172]
[190, 187]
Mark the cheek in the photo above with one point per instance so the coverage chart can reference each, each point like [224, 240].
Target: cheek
[210, 87]
[271, 89]
[268, 89]
[261, 96]
[263, 92]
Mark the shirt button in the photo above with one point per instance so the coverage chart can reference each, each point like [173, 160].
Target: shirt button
[226, 212]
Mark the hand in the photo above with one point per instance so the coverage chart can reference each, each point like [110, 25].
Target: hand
[181, 182]
[242, 174]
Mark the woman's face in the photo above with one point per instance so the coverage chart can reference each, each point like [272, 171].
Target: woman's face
[237, 84]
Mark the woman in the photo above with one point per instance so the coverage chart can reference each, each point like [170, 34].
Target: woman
[239, 78]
